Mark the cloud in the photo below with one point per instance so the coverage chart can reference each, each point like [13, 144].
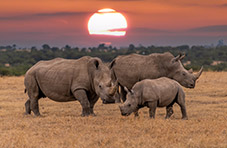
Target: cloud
[196, 4]
[19, 17]
[223, 5]
[215, 28]
[122, 0]
[148, 30]
[62, 14]
[38, 15]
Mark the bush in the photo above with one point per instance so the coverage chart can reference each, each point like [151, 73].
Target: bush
[14, 71]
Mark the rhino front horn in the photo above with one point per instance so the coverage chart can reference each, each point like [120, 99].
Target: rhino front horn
[113, 89]
[199, 73]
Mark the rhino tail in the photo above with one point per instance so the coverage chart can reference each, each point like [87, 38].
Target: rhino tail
[25, 90]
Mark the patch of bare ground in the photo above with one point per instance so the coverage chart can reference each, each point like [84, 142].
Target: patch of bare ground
[62, 126]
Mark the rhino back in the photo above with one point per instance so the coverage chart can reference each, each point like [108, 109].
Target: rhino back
[163, 90]
[132, 68]
[57, 77]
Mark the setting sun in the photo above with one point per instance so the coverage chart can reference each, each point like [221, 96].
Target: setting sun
[107, 22]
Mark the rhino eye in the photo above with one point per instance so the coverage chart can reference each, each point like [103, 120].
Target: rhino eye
[129, 105]
[100, 86]
[184, 74]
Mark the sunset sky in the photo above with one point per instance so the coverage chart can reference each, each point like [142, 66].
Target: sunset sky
[29, 23]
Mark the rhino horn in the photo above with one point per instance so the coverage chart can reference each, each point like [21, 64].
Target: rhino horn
[113, 89]
[199, 73]
[190, 70]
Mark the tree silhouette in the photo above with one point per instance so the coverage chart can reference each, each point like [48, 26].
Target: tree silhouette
[46, 47]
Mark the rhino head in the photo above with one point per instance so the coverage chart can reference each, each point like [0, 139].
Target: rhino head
[114, 96]
[100, 76]
[131, 103]
[177, 72]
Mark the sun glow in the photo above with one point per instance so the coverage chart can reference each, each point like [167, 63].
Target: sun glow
[107, 22]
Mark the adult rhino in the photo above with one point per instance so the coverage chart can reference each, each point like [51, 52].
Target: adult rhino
[85, 79]
[129, 69]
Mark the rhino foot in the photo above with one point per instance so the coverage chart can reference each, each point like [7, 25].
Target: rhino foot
[88, 114]
[85, 114]
[93, 114]
[167, 117]
[38, 115]
[26, 114]
[184, 118]
[36, 112]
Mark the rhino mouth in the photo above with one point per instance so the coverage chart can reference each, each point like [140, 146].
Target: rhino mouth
[108, 101]
[125, 114]
[191, 86]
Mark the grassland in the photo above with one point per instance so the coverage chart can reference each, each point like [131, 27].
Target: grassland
[62, 126]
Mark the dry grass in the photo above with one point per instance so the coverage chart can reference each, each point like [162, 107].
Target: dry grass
[62, 126]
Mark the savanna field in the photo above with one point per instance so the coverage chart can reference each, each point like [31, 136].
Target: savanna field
[62, 126]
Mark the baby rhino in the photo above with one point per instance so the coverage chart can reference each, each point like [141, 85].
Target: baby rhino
[161, 92]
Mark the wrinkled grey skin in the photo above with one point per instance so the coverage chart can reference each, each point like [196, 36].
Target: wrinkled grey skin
[161, 92]
[130, 69]
[62, 80]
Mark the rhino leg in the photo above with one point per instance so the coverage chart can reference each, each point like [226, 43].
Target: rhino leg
[152, 108]
[169, 111]
[117, 97]
[81, 96]
[35, 106]
[123, 93]
[27, 107]
[183, 111]
[33, 101]
[136, 113]
[33, 94]
[32, 105]
[181, 102]
[92, 103]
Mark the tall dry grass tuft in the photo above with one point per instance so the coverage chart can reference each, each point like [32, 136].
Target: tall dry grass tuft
[61, 125]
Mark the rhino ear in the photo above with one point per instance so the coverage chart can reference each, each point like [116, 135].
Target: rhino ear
[126, 89]
[190, 70]
[132, 92]
[112, 64]
[177, 58]
[94, 62]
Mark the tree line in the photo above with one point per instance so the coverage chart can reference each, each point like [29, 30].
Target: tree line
[16, 61]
